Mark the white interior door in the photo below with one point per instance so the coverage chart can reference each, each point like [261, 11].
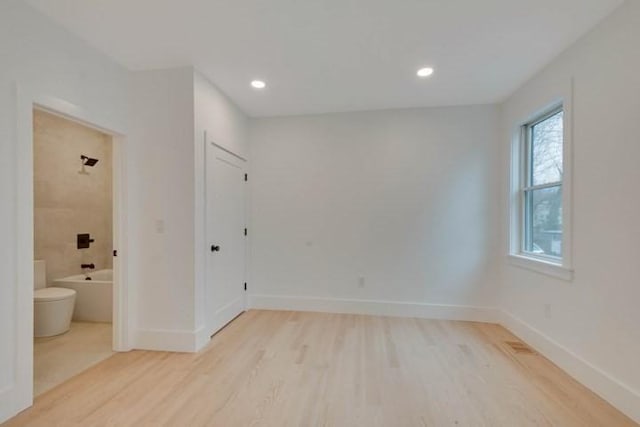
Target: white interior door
[225, 192]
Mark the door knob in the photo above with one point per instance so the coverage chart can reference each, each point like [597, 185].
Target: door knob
[215, 248]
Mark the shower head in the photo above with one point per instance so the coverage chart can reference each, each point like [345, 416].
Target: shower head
[88, 161]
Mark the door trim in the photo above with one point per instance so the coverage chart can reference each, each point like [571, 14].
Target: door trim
[27, 99]
[226, 314]
[228, 151]
[241, 303]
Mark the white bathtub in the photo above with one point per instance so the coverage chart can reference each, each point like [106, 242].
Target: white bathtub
[94, 298]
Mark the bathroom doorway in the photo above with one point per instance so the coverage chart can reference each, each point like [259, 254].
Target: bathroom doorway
[73, 248]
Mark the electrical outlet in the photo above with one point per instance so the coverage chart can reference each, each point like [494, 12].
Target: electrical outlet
[159, 226]
[361, 282]
[547, 311]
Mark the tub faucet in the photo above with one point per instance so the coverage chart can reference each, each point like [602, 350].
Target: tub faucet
[89, 266]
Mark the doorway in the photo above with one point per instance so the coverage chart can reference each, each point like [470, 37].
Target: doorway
[20, 395]
[73, 248]
[226, 236]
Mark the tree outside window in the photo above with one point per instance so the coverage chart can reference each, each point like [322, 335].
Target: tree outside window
[542, 192]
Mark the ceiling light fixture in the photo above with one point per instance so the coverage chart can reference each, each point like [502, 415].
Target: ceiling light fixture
[258, 84]
[425, 72]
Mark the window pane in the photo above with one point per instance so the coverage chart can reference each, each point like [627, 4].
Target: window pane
[546, 150]
[544, 221]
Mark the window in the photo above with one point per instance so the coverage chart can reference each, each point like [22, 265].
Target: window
[541, 189]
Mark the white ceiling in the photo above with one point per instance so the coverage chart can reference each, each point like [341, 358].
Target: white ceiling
[337, 55]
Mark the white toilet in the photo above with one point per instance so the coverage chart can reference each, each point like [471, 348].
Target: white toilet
[52, 307]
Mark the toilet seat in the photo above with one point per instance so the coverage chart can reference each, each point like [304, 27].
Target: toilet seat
[52, 294]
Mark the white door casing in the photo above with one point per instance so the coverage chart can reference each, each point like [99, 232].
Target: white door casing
[225, 225]
[19, 394]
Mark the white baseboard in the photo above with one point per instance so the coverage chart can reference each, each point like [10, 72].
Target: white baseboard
[7, 409]
[202, 338]
[226, 314]
[609, 388]
[12, 402]
[373, 307]
[167, 340]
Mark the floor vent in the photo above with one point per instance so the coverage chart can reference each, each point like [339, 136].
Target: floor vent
[520, 347]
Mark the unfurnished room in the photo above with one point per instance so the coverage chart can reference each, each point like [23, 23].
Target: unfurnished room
[349, 213]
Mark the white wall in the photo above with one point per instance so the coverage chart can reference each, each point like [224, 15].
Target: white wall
[40, 57]
[216, 114]
[173, 109]
[594, 328]
[403, 198]
[161, 207]
[156, 112]
[222, 122]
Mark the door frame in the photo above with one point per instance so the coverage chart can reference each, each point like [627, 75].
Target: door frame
[28, 99]
[209, 144]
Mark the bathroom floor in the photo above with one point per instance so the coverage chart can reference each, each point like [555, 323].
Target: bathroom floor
[57, 359]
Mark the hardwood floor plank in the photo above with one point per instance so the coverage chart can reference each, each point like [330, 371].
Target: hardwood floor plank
[278, 368]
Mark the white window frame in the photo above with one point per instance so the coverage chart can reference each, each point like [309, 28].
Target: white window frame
[549, 265]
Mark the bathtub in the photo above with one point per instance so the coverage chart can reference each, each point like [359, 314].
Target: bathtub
[94, 298]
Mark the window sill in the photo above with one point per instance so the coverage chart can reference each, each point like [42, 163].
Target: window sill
[548, 268]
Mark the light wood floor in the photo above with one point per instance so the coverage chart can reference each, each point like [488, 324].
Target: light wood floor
[311, 369]
[56, 359]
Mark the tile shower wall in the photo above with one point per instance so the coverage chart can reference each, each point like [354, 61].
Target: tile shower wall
[68, 200]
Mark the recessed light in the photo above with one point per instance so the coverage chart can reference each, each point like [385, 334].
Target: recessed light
[258, 84]
[425, 72]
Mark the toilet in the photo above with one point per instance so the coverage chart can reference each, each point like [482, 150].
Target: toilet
[52, 307]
